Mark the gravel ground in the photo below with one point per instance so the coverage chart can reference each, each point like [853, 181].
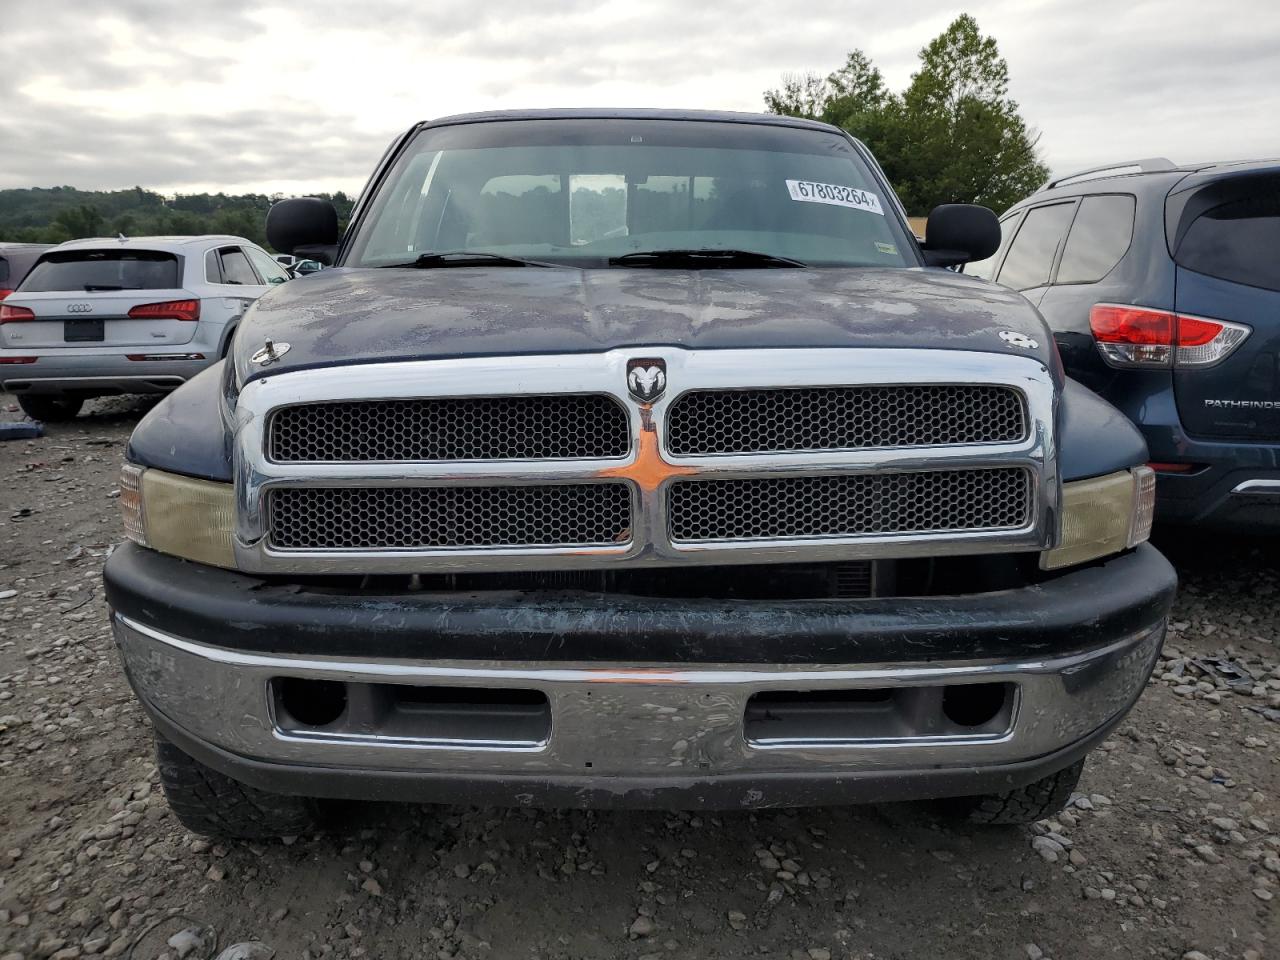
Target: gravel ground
[1172, 850]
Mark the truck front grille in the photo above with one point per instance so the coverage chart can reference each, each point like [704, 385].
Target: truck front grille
[762, 457]
[565, 427]
[849, 505]
[406, 518]
[842, 418]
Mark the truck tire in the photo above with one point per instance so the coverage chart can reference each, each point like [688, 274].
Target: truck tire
[1035, 801]
[210, 803]
[51, 409]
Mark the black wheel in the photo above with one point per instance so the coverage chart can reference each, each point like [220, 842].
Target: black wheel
[1035, 801]
[51, 409]
[213, 804]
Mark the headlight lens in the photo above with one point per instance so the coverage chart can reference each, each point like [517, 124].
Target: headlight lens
[178, 515]
[1103, 516]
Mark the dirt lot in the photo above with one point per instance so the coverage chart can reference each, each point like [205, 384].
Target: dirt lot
[1174, 847]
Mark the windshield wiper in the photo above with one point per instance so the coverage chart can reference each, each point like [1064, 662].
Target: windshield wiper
[469, 258]
[709, 257]
[96, 287]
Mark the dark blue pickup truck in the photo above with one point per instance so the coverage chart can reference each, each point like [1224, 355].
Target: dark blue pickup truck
[633, 458]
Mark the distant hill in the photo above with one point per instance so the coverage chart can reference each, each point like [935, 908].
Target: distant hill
[55, 214]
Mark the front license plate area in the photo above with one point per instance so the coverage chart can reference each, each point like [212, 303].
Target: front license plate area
[83, 331]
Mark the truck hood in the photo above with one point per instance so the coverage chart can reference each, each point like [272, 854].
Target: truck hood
[349, 316]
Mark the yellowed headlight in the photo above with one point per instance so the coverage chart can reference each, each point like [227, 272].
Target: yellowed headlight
[1103, 516]
[178, 515]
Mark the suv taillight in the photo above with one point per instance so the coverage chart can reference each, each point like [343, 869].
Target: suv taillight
[4, 292]
[11, 314]
[169, 310]
[1142, 337]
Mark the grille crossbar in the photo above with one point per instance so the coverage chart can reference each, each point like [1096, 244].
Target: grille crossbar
[849, 505]
[552, 427]
[441, 517]
[843, 418]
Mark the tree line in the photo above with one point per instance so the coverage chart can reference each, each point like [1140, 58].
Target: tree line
[954, 135]
[57, 214]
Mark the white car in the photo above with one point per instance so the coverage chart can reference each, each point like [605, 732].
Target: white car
[130, 315]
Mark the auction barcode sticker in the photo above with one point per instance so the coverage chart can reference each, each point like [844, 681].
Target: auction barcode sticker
[806, 191]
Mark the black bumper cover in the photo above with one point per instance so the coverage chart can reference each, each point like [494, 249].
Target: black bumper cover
[1076, 610]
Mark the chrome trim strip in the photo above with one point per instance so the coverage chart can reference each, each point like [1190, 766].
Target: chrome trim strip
[605, 373]
[624, 720]
[503, 675]
[1257, 488]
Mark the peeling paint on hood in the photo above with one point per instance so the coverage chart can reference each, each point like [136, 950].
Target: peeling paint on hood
[350, 316]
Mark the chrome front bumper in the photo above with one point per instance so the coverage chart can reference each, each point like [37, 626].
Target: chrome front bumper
[616, 724]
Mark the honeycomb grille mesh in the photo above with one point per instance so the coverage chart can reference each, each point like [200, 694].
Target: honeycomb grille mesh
[845, 506]
[842, 418]
[390, 518]
[471, 428]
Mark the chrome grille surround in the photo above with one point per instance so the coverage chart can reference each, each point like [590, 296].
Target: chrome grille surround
[843, 418]
[556, 427]
[650, 542]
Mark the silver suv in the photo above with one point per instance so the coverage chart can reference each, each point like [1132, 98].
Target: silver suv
[136, 315]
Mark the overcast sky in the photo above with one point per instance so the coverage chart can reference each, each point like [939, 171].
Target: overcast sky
[237, 95]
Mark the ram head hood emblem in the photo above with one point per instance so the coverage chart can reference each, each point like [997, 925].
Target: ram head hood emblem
[646, 378]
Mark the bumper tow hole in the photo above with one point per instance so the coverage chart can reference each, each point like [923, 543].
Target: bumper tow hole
[878, 714]
[497, 717]
[309, 703]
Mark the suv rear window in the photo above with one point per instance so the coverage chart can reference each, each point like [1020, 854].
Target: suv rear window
[1237, 240]
[91, 270]
[1099, 238]
[4, 271]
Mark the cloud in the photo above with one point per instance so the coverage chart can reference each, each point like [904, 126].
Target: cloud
[243, 95]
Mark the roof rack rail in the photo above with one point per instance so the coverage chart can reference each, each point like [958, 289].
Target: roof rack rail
[1148, 165]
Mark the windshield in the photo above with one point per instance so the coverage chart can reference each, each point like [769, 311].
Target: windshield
[103, 270]
[584, 191]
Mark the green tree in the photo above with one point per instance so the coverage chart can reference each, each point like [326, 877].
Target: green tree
[954, 135]
[81, 221]
[801, 95]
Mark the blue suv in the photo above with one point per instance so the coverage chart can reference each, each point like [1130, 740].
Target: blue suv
[1161, 284]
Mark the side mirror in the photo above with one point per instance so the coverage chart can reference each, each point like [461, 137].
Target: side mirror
[958, 233]
[304, 226]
